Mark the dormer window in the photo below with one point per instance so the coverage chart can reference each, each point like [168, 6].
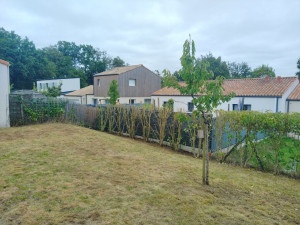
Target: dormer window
[132, 83]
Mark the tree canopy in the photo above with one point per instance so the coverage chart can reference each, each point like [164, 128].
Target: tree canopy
[239, 70]
[62, 60]
[216, 65]
[262, 71]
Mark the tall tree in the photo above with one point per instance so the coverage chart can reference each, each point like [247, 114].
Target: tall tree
[239, 70]
[298, 66]
[206, 94]
[117, 62]
[113, 92]
[216, 65]
[262, 71]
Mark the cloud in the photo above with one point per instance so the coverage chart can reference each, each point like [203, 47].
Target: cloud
[153, 32]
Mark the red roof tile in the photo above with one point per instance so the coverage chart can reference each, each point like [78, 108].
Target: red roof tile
[295, 95]
[247, 87]
[4, 62]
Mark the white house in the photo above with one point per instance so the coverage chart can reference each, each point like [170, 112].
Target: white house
[82, 96]
[259, 94]
[68, 84]
[293, 101]
[4, 94]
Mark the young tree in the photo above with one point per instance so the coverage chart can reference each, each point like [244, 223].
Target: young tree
[298, 66]
[206, 94]
[262, 71]
[113, 92]
[53, 91]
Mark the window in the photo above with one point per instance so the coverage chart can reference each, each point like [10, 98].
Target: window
[247, 107]
[53, 84]
[47, 85]
[99, 83]
[190, 107]
[147, 101]
[41, 86]
[131, 101]
[94, 101]
[235, 107]
[131, 83]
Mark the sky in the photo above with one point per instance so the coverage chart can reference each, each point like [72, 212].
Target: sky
[152, 32]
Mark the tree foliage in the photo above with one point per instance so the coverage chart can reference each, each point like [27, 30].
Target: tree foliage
[239, 70]
[216, 65]
[113, 92]
[206, 94]
[53, 91]
[262, 71]
[62, 60]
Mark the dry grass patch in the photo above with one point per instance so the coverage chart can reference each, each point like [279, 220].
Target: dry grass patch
[65, 174]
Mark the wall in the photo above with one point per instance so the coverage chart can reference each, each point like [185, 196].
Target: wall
[147, 82]
[282, 106]
[68, 85]
[4, 95]
[75, 99]
[261, 104]
[294, 106]
[122, 100]
[104, 84]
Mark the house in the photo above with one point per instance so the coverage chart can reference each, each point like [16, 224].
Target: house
[293, 101]
[136, 84]
[4, 94]
[82, 96]
[67, 85]
[259, 94]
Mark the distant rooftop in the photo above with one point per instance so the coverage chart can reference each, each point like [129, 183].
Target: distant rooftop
[82, 92]
[245, 87]
[118, 70]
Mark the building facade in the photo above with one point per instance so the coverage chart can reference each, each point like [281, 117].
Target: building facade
[135, 84]
[293, 101]
[258, 94]
[4, 94]
[67, 85]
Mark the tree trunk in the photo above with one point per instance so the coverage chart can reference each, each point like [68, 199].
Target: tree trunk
[203, 159]
[206, 156]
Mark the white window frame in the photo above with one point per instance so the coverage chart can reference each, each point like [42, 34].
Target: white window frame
[132, 82]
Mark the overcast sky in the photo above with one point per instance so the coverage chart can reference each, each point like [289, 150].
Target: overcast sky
[153, 32]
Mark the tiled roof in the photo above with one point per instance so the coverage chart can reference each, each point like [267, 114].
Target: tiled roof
[295, 95]
[118, 70]
[4, 62]
[247, 87]
[83, 91]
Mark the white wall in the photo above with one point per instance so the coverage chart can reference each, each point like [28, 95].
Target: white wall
[75, 99]
[257, 103]
[294, 106]
[122, 100]
[282, 106]
[68, 85]
[4, 96]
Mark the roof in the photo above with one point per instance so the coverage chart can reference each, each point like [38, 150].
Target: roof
[118, 70]
[4, 62]
[246, 87]
[295, 95]
[83, 91]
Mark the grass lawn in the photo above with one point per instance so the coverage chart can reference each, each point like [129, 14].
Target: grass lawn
[65, 174]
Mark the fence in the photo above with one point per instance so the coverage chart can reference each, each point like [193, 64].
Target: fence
[168, 128]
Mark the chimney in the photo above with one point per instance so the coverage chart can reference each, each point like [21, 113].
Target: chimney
[278, 79]
[267, 78]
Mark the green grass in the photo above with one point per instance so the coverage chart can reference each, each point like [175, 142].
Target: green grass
[65, 174]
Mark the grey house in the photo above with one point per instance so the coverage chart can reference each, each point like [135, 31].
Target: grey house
[136, 84]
